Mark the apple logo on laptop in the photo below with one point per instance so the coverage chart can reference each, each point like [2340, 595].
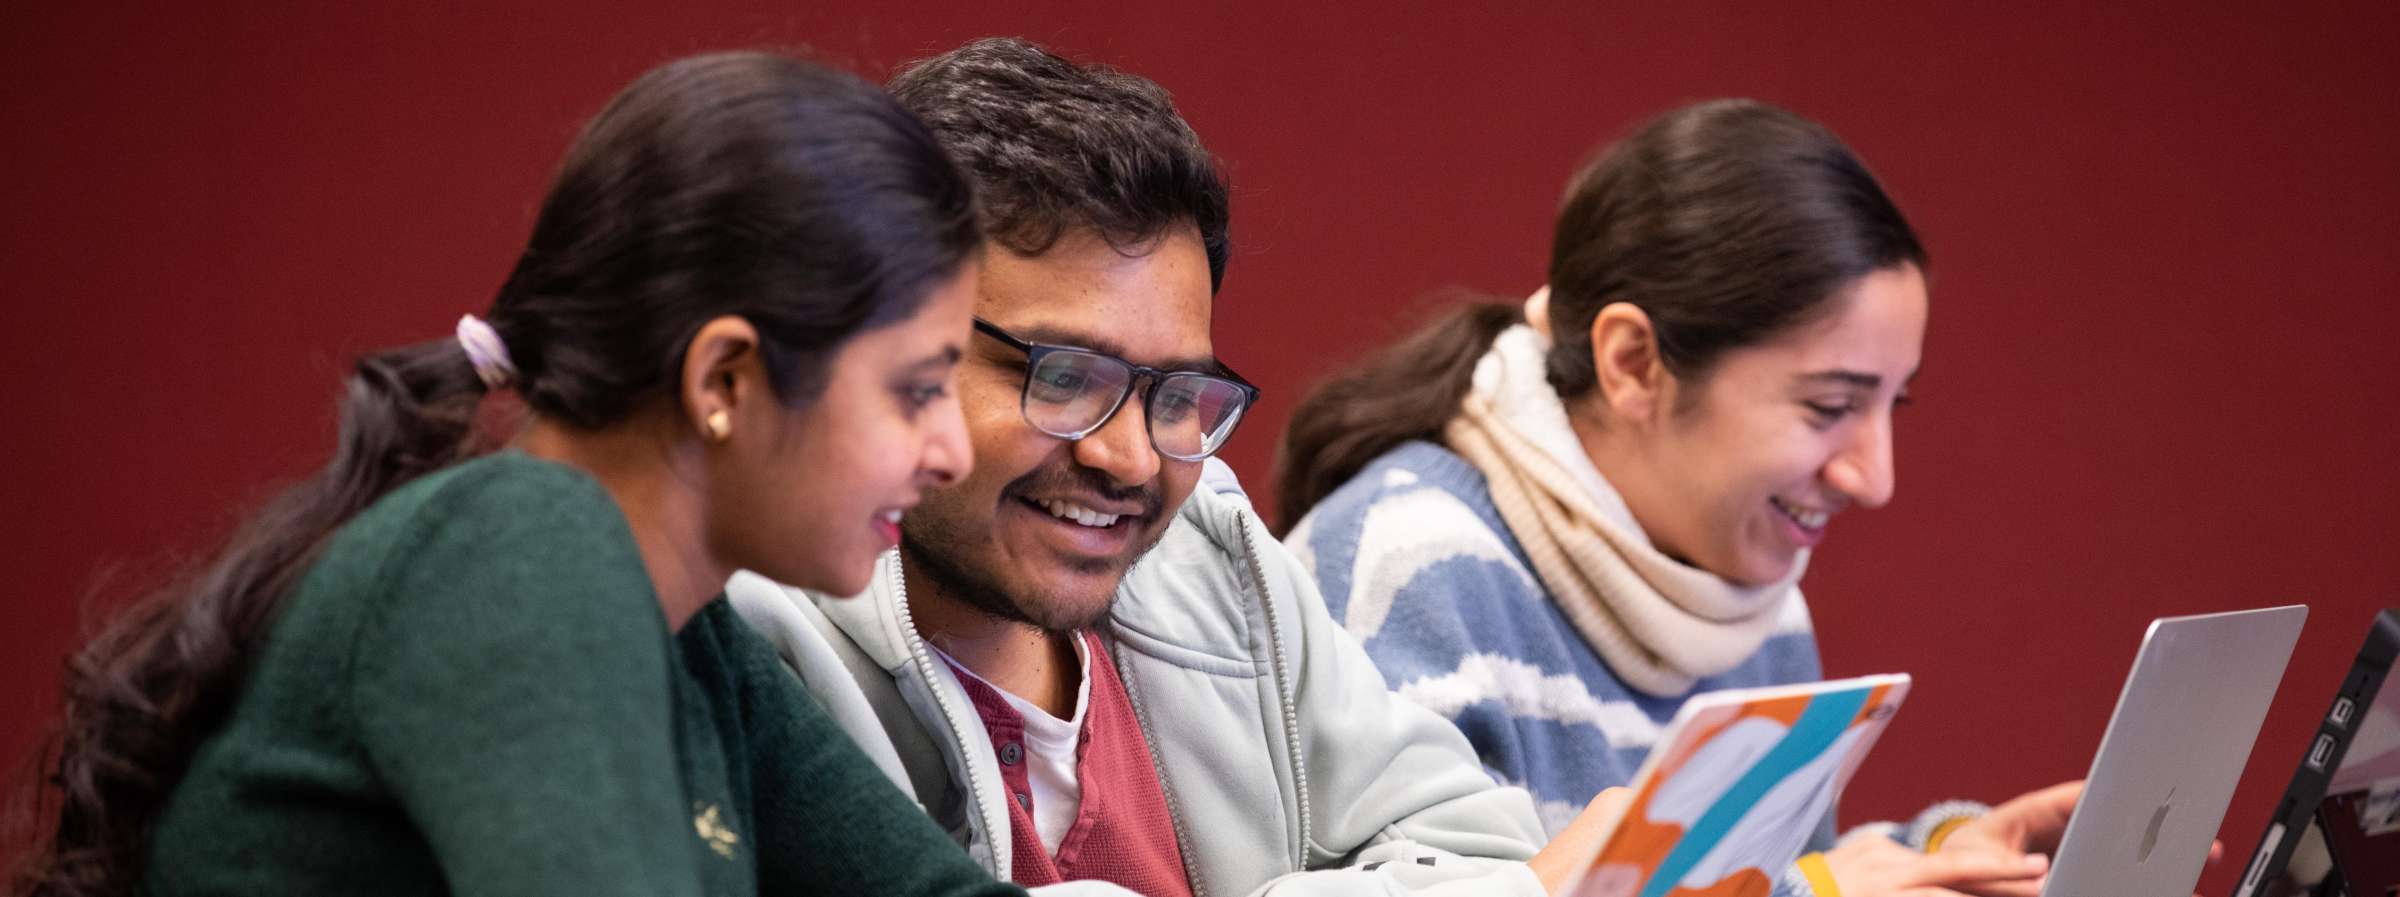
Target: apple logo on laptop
[2157, 819]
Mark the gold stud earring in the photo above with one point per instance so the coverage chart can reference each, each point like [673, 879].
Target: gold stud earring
[719, 425]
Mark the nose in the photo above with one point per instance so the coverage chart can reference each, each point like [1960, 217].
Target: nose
[1863, 470]
[1121, 447]
[948, 456]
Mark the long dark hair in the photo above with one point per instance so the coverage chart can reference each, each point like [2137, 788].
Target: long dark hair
[750, 184]
[1727, 222]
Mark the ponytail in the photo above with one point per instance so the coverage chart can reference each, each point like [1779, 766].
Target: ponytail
[1405, 391]
[163, 674]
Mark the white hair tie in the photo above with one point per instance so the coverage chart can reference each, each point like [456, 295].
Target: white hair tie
[1537, 311]
[486, 352]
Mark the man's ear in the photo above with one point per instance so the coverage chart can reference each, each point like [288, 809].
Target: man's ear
[724, 380]
[1633, 382]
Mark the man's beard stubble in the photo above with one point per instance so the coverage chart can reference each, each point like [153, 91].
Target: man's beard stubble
[981, 593]
[923, 547]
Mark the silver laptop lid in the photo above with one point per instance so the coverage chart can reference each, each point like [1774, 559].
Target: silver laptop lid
[2173, 753]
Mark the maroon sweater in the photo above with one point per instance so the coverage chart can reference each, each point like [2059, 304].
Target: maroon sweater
[1122, 833]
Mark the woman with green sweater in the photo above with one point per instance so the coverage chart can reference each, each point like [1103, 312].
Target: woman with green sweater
[435, 668]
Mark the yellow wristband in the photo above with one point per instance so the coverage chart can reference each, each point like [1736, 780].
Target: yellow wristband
[1820, 878]
[1933, 840]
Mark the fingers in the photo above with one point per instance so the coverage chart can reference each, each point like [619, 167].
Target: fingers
[1979, 866]
[1603, 812]
[1610, 801]
[2023, 887]
[1598, 817]
[2039, 817]
[1570, 851]
[2055, 802]
[2063, 792]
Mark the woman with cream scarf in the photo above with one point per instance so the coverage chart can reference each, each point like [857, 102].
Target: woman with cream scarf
[1555, 522]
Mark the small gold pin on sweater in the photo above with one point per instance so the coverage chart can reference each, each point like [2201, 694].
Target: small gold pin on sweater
[712, 828]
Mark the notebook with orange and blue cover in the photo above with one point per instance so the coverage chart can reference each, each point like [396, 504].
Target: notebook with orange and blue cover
[1735, 787]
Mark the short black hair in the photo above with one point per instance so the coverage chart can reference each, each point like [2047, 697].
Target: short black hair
[1055, 146]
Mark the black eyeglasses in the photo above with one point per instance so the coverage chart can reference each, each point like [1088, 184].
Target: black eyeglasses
[1071, 392]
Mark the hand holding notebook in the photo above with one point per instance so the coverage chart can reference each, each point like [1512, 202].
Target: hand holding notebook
[1733, 790]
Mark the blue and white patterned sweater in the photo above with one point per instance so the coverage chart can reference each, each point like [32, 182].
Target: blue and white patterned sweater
[1415, 561]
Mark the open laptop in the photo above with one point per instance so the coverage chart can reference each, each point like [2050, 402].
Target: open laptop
[2337, 831]
[2175, 748]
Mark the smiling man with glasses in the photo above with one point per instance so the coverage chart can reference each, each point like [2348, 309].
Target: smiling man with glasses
[1084, 663]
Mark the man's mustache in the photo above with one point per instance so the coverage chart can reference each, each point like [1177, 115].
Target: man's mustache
[1071, 479]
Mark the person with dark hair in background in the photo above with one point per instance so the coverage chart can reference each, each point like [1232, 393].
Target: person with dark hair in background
[433, 668]
[1191, 724]
[1554, 525]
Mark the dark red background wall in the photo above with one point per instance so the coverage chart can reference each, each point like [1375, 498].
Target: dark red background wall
[2159, 378]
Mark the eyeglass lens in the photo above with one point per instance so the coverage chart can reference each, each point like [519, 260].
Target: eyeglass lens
[1070, 393]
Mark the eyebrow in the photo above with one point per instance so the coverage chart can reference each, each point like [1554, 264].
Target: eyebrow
[949, 355]
[1860, 379]
[1199, 364]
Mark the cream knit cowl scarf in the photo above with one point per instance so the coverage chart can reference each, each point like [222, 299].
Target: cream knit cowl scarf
[1659, 623]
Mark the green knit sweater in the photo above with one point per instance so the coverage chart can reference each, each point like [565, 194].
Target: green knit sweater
[474, 691]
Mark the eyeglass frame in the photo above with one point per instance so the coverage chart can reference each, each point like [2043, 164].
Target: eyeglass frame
[1035, 352]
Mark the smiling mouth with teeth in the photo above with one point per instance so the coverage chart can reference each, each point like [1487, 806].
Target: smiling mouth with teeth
[1808, 520]
[1067, 510]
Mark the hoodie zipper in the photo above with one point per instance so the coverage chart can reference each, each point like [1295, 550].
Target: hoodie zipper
[923, 660]
[1291, 723]
[1141, 717]
[1291, 713]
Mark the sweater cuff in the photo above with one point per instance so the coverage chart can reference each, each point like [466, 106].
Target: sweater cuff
[1808, 876]
[1925, 833]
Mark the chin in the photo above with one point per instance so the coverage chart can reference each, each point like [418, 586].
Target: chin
[847, 587]
[1068, 599]
[1067, 616]
[842, 580]
[1764, 571]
